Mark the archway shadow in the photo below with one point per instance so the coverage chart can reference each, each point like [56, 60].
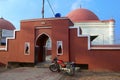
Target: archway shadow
[42, 53]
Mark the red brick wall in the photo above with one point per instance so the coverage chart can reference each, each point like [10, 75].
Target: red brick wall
[97, 59]
[104, 59]
[74, 48]
[78, 47]
[60, 32]
[28, 33]
[3, 57]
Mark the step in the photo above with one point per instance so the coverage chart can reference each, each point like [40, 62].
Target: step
[43, 65]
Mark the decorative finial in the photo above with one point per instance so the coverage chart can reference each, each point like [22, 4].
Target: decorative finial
[43, 9]
[80, 6]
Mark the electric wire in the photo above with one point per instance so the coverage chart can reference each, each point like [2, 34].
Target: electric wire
[51, 7]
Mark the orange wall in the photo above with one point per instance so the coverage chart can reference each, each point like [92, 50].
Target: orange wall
[29, 33]
[104, 59]
[96, 59]
[78, 47]
[74, 48]
[60, 32]
[3, 57]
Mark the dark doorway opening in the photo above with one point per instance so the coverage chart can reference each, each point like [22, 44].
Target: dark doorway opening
[43, 49]
[82, 66]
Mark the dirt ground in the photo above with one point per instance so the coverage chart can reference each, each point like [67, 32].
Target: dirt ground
[92, 75]
[79, 75]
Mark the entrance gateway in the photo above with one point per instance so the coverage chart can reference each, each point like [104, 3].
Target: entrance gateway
[51, 39]
[43, 48]
[28, 45]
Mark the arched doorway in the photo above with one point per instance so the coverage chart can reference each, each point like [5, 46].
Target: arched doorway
[43, 49]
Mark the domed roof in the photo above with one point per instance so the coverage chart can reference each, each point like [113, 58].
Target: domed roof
[82, 14]
[4, 24]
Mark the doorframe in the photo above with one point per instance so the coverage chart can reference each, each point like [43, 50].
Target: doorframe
[43, 37]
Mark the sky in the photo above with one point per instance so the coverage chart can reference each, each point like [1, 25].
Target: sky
[17, 10]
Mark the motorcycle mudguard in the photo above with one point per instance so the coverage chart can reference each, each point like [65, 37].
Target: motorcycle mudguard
[60, 62]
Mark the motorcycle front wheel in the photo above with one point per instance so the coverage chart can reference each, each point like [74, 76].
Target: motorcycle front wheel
[54, 67]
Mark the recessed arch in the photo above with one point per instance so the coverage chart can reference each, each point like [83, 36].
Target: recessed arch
[41, 35]
[41, 50]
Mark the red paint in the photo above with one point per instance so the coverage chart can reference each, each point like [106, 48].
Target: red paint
[74, 48]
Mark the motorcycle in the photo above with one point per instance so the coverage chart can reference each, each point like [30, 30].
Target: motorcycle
[59, 65]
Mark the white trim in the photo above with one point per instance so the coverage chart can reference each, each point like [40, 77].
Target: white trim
[42, 27]
[89, 47]
[79, 35]
[95, 23]
[110, 48]
[61, 43]
[42, 19]
[27, 44]
[3, 49]
[6, 46]
[42, 34]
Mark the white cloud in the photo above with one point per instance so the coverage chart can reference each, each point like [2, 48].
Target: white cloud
[79, 3]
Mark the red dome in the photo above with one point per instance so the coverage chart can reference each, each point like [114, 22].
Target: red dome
[82, 15]
[4, 24]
